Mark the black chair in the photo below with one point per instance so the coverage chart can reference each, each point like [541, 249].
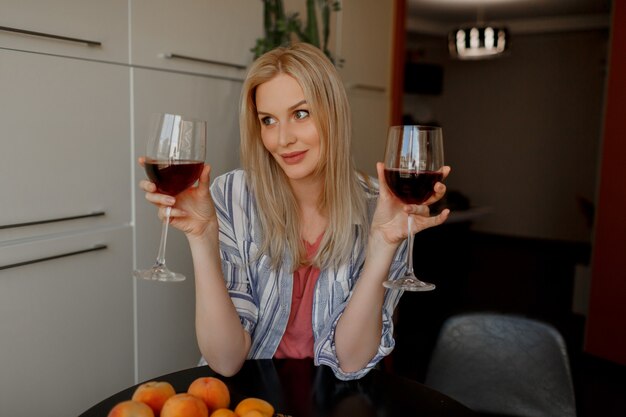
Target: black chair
[503, 365]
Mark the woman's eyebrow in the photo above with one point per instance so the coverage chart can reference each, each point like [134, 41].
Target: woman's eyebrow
[298, 104]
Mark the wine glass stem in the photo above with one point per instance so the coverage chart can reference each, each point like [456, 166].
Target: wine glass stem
[409, 253]
[161, 256]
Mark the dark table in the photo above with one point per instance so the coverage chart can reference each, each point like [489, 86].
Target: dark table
[298, 388]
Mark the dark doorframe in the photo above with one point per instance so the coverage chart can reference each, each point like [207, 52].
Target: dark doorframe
[397, 64]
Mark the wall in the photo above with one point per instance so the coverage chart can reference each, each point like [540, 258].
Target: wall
[522, 131]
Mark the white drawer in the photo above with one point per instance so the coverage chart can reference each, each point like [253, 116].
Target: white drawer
[66, 322]
[66, 136]
[104, 22]
[209, 36]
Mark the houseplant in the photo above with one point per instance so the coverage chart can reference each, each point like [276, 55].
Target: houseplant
[281, 28]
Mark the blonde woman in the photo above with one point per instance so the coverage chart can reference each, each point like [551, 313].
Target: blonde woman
[291, 251]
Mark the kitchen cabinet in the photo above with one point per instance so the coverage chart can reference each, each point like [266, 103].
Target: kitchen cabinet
[370, 121]
[213, 41]
[364, 45]
[206, 37]
[66, 323]
[66, 292]
[66, 136]
[74, 119]
[166, 312]
[94, 29]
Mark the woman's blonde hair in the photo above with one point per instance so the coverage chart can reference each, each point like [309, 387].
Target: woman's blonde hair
[343, 198]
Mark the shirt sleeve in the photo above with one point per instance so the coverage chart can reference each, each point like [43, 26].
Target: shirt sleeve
[229, 195]
[325, 352]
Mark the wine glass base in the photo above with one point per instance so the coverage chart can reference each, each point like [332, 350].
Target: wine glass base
[409, 284]
[161, 274]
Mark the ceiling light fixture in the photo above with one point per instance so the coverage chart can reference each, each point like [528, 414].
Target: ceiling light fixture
[478, 42]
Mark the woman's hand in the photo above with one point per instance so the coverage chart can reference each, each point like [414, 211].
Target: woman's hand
[391, 216]
[192, 211]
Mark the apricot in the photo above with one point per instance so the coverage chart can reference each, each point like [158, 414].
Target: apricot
[253, 413]
[212, 391]
[254, 404]
[154, 394]
[131, 409]
[184, 405]
[223, 412]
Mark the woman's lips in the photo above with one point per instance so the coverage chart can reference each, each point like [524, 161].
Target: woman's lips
[293, 157]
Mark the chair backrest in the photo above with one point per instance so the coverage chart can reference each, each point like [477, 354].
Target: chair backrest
[503, 364]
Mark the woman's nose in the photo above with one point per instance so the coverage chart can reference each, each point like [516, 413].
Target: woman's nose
[286, 135]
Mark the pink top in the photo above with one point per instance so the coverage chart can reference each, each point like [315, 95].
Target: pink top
[297, 341]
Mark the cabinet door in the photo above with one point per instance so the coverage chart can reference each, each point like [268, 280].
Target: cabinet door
[66, 323]
[365, 43]
[165, 313]
[220, 31]
[370, 110]
[66, 143]
[105, 22]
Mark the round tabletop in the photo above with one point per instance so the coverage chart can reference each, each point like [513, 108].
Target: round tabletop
[298, 388]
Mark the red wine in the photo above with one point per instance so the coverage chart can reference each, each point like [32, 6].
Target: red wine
[411, 186]
[174, 177]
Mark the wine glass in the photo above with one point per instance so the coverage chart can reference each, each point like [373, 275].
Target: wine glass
[174, 161]
[413, 165]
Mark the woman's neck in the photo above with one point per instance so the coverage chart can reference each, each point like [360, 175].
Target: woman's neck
[307, 192]
[313, 221]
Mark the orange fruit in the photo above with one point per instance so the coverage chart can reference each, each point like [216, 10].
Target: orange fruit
[212, 391]
[131, 409]
[184, 405]
[254, 404]
[253, 413]
[223, 412]
[154, 394]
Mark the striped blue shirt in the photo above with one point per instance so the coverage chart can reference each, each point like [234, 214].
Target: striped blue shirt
[262, 295]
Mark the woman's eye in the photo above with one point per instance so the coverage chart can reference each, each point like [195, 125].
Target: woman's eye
[268, 121]
[301, 114]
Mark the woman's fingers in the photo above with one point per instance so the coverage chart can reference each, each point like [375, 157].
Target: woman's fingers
[160, 199]
[173, 213]
[204, 180]
[440, 191]
[440, 188]
[383, 189]
[147, 186]
[440, 218]
[421, 222]
[446, 171]
[417, 210]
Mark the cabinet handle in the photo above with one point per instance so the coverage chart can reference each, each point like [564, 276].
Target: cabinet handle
[205, 61]
[368, 87]
[60, 219]
[50, 36]
[49, 258]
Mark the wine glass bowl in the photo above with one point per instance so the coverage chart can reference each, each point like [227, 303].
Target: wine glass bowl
[413, 165]
[173, 177]
[174, 160]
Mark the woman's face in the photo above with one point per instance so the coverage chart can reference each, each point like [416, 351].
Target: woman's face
[287, 128]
